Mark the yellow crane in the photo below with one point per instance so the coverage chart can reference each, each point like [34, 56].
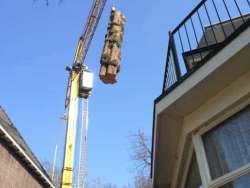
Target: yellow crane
[75, 89]
[80, 80]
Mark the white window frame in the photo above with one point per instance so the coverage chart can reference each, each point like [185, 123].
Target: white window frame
[199, 149]
[187, 166]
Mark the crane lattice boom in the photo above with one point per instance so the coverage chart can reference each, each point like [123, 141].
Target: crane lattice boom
[82, 166]
[89, 29]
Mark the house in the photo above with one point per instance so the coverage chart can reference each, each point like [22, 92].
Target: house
[19, 168]
[201, 126]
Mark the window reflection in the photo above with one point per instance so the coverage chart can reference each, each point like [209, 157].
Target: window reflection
[228, 145]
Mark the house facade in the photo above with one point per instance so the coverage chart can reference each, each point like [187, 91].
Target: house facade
[201, 126]
[19, 168]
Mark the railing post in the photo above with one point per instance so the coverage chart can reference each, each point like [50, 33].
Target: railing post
[166, 69]
[175, 56]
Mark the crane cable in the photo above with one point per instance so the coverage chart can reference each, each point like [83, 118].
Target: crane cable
[82, 167]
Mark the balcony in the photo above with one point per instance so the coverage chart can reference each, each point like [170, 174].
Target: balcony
[209, 27]
[207, 73]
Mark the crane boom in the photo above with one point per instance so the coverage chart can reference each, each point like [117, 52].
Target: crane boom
[71, 102]
[86, 37]
[89, 29]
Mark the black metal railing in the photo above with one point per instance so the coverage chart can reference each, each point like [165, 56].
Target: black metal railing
[207, 29]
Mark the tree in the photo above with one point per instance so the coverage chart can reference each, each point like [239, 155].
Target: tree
[98, 183]
[142, 181]
[141, 155]
[48, 166]
[141, 152]
[47, 1]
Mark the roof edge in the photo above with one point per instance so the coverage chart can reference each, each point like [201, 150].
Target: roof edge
[28, 160]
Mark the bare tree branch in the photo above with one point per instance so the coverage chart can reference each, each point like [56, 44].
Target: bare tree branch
[141, 154]
[57, 176]
[47, 2]
[98, 183]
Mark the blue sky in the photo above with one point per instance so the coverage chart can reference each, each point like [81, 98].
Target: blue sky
[37, 43]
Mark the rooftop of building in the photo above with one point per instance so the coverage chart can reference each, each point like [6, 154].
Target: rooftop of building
[11, 136]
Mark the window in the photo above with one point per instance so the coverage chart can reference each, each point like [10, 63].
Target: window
[194, 178]
[223, 154]
[242, 182]
[227, 146]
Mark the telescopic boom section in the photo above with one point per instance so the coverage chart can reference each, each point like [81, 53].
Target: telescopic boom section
[89, 29]
[86, 38]
[73, 90]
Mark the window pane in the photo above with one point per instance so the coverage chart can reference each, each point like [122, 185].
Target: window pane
[193, 179]
[243, 182]
[228, 145]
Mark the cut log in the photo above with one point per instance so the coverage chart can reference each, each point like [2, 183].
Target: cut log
[106, 53]
[111, 54]
[111, 74]
[116, 38]
[115, 55]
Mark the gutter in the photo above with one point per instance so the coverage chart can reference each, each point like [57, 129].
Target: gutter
[29, 160]
[153, 146]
